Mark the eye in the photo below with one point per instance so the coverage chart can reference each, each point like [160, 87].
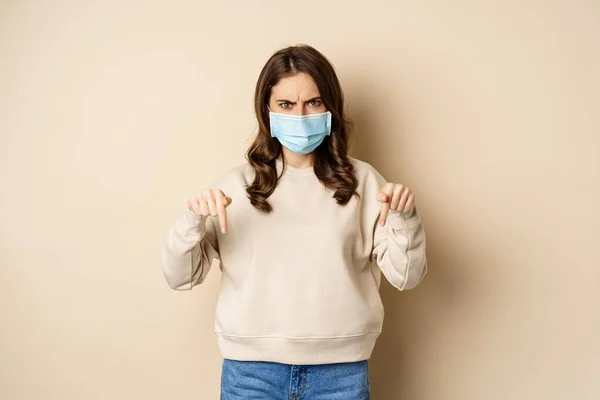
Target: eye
[314, 103]
[285, 106]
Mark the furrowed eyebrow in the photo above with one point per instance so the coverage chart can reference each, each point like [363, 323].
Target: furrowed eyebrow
[293, 102]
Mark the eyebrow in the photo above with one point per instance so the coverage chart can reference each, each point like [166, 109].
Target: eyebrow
[293, 102]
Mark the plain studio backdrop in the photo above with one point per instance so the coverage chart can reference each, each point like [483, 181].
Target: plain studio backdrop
[113, 113]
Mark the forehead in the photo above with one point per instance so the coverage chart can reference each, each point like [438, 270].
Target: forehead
[297, 85]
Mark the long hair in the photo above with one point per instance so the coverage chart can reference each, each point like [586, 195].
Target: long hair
[332, 166]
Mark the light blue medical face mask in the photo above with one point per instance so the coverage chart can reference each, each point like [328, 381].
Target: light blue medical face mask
[300, 134]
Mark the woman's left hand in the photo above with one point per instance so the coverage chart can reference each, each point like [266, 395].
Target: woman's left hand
[394, 197]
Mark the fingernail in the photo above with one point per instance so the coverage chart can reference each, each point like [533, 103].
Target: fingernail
[222, 230]
[382, 222]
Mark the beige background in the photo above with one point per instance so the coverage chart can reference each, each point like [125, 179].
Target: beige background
[112, 113]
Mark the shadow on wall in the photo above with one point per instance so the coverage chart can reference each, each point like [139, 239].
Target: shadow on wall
[413, 318]
[396, 369]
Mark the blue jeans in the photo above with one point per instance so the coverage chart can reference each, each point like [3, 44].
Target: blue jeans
[260, 380]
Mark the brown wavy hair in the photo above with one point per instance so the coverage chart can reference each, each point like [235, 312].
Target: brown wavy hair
[332, 166]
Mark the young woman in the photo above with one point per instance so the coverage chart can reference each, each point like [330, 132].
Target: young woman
[302, 233]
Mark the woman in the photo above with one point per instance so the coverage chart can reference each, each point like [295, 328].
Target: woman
[302, 233]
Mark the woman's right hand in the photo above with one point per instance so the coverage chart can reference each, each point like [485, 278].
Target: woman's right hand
[211, 202]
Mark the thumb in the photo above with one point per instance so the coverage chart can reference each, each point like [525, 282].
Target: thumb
[227, 201]
[382, 197]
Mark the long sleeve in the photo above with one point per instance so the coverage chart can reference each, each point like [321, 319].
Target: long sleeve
[189, 250]
[399, 245]
[399, 249]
